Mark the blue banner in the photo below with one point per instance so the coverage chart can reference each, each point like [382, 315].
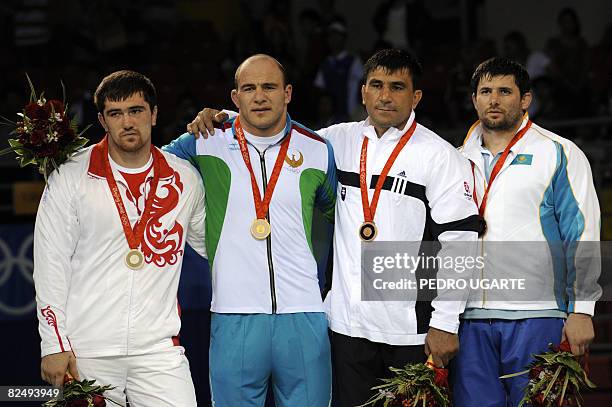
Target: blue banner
[17, 299]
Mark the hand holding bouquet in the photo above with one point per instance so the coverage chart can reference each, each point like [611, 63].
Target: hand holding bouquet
[81, 393]
[555, 379]
[416, 385]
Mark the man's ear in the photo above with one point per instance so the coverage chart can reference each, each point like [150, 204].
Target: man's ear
[102, 122]
[234, 96]
[526, 100]
[418, 94]
[154, 116]
[363, 95]
[288, 91]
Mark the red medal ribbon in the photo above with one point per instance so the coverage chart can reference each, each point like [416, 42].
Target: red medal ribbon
[261, 205]
[370, 210]
[497, 168]
[133, 235]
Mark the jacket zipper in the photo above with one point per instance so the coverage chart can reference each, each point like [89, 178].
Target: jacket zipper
[264, 177]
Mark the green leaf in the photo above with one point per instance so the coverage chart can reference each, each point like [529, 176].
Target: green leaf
[15, 143]
[6, 151]
[23, 161]
[32, 91]
[565, 381]
[63, 92]
[84, 130]
[552, 381]
[54, 164]
[79, 142]
[589, 383]
[8, 121]
[507, 376]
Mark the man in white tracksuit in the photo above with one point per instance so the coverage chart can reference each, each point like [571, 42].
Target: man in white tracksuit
[108, 248]
[536, 194]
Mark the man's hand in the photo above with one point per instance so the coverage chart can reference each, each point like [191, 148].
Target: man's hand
[578, 331]
[53, 367]
[442, 346]
[203, 122]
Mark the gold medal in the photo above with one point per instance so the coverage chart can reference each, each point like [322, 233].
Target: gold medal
[260, 229]
[368, 231]
[134, 259]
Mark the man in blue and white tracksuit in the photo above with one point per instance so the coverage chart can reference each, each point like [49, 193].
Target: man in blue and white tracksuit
[531, 186]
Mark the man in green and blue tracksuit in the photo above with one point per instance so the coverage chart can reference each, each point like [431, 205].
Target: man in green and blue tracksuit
[263, 175]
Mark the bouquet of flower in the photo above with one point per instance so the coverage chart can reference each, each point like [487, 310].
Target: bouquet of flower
[45, 136]
[555, 379]
[82, 393]
[416, 385]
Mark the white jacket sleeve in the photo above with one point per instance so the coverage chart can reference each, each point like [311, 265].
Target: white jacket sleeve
[195, 233]
[454, 223]
[55, 239]
[578, 214]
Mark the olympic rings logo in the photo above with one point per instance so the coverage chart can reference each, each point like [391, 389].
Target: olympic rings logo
[23, 265]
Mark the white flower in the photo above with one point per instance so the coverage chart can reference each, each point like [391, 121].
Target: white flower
[52, 137]
[57, 117]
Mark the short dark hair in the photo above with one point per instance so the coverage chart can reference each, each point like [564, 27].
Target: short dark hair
[121, 85]
[499, 66]
[276, 62]
[393, 60]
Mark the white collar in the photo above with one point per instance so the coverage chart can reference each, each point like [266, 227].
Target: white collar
[127, 170]
[391, 134]
[264, 141]
[473, 143]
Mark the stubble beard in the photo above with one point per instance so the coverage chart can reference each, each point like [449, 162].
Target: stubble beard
[509, 122]
[132, 147]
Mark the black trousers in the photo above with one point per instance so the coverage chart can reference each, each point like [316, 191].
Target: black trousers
[358, 364]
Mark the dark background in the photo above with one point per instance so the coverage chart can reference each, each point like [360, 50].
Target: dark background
[190, 50]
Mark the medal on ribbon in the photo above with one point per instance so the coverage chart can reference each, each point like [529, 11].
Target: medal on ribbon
[496, 169]
[368, 229]
[134, 259]
[260, 228]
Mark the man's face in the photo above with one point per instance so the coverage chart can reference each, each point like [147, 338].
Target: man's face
[261, 98]
[128, 123]
[498, 102]
[389, 98]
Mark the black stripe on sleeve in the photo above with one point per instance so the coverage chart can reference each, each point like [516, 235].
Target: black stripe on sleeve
[470, 224]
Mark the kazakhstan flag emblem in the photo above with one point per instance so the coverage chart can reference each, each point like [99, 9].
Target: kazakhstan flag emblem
[522, 159]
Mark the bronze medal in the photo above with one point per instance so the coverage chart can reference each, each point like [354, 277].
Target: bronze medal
[368, 231]
[482, 223]
[482, 226]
